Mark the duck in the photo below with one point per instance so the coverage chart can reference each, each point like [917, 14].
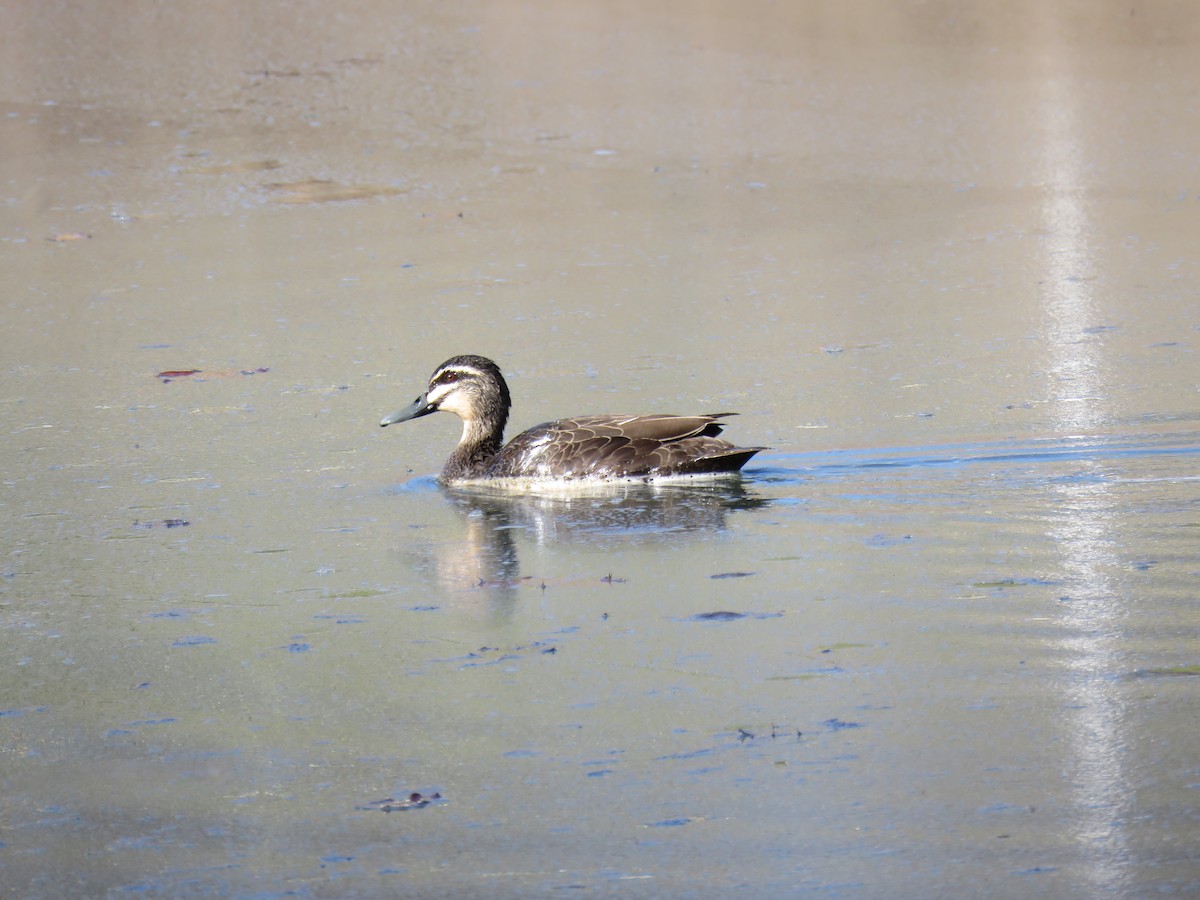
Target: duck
[596, 447]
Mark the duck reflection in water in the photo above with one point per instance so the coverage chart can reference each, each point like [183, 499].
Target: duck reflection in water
[497, 523]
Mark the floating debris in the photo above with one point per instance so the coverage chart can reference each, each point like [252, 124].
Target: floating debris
[163, 523]
[839, 725]
[490, 656]
[720, 615]
[673, 823]
[414, 800]
[1168, 672]
[727, 615]
[1014, 582]
[168, 375]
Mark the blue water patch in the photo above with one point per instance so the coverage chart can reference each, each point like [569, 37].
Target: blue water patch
[194, 640]
[693, 754]
[839, 725]
[887, 540]
[8, 713]
[507, 657]
[341, 620]
[128, 727]
[422, 484]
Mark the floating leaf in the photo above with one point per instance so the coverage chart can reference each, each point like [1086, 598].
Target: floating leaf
[320, 190]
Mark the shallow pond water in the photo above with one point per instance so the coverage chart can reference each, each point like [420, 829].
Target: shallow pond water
[941, 639]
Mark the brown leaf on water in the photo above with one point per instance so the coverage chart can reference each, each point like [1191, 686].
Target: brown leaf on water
[66, 237]
[239, 167]
[320, 190]
[170, 374]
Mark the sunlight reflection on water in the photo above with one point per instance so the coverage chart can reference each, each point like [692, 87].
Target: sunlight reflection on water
[1083, 531]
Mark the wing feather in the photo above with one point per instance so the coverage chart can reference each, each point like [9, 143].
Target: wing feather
[621, 446]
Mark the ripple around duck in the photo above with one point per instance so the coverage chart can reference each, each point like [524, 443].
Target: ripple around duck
[646, 487]
[1082, 448]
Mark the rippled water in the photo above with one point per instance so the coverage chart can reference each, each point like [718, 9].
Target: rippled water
[940, 640]
[846, 671]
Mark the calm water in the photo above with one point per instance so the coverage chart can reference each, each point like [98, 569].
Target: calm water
[941, 640]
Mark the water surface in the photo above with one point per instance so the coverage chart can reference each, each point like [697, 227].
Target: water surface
[940, 640]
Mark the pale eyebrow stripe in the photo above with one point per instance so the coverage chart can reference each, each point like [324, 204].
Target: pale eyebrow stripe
[464, 370]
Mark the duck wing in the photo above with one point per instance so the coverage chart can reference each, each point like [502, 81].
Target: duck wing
[662, 427]
[615, 446]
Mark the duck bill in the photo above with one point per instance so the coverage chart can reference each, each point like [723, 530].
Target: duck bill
[419, 407]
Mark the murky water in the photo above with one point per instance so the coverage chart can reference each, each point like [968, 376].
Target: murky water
[941, 640]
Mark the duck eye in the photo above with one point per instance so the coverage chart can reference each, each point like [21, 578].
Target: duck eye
[447, 378]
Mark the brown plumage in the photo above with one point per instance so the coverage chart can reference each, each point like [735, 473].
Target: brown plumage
[604, 446]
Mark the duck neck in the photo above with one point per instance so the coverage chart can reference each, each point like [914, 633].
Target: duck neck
[476, 449]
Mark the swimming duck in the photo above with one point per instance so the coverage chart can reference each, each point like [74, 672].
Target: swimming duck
[593, 447]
